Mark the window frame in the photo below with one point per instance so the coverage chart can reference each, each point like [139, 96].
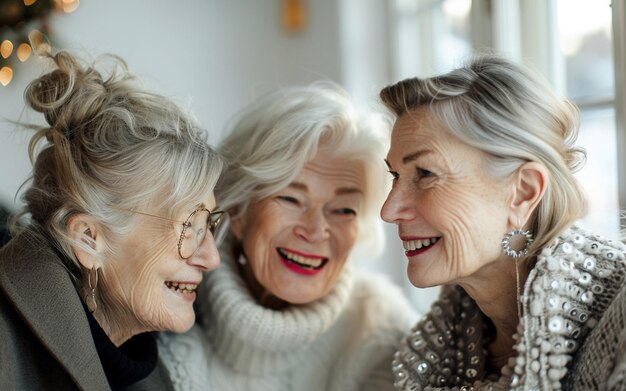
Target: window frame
[619, 58]
[499, 25]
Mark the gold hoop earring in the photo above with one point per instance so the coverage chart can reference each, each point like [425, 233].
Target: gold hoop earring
[91, 297]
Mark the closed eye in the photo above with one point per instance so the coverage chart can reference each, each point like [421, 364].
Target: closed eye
[422, 173]
[345, 211]
[288, 199]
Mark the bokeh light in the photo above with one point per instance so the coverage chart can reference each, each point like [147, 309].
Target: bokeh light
[6, 75]
[6, 48]
[23, 52]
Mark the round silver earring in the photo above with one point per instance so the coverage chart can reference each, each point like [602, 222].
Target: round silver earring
[516, 255]
[506, 243]
[91, 297]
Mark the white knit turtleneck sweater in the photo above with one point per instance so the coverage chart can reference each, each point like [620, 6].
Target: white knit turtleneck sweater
[342, 342]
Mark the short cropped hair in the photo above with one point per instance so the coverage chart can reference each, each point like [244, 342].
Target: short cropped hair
[276, 136]
[507, 111]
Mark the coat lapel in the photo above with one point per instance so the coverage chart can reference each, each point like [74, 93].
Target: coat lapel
[41, 289]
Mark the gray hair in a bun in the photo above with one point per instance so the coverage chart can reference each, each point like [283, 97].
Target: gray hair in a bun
[110, 145]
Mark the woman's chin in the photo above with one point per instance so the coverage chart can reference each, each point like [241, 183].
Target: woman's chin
[181, 322]
[421, 285]
[421, 281]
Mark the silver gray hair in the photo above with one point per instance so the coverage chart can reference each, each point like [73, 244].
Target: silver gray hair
[510, 113]
[275, 137]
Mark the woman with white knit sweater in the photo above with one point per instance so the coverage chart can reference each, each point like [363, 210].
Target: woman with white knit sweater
[287, 310]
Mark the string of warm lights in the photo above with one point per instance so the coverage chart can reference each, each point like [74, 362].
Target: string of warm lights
[24, 29]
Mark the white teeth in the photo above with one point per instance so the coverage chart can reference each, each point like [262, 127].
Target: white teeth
[312, 262]
[410, 245]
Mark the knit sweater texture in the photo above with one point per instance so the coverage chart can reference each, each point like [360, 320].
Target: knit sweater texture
[344, 341]
[571, 335]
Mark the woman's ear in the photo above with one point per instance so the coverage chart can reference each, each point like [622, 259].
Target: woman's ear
[83, 229]
[531, 181]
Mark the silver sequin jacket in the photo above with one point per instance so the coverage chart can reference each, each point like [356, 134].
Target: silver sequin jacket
[572, 335]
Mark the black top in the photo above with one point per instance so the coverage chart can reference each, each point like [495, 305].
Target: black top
[133, 361]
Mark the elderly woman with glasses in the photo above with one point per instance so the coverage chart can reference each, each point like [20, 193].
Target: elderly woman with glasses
[288, 309]
[122, 225]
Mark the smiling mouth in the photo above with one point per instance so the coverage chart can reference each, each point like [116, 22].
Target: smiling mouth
[417, 244]
[302, 261]
[180, 287]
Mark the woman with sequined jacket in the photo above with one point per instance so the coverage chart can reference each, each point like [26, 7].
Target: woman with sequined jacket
[485, 203]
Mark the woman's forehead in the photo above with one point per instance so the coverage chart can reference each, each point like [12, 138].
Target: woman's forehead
[346, 175]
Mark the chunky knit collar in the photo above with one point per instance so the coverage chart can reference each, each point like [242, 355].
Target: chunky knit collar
[257, 340]
[566, 293]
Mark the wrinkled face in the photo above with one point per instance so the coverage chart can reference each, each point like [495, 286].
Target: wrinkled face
[451, 213]
[298, 240]
[150, 282]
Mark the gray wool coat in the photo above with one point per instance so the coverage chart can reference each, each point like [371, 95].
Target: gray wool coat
[45, 340]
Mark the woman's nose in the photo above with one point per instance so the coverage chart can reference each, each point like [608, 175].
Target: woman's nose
[398, 206]
[313, 226]
[207, 257]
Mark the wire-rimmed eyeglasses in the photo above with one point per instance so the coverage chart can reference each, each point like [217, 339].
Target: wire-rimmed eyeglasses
[195, 227]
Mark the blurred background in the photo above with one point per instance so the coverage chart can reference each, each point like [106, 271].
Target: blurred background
[213, 57]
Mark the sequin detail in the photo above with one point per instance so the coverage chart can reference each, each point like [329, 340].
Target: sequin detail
[571, 285]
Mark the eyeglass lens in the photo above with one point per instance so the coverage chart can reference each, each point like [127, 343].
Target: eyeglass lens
[219, 227]
[195, 231]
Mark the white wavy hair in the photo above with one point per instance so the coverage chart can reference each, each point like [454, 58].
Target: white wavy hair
[276, 136]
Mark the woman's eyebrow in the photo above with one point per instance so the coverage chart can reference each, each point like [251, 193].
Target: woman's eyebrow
[339, 191]
[411, 157]
[348, 190]
[415, 155]
[298, 186]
